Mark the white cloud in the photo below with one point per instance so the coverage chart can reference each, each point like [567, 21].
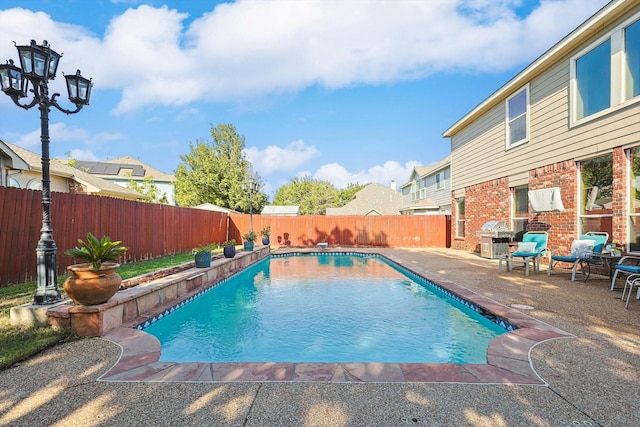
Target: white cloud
[274, 158]
[391, 170]
[253, 48]
[80, 154]
[58, 132]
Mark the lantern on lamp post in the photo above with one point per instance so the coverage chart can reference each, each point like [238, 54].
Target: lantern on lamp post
[38, 65]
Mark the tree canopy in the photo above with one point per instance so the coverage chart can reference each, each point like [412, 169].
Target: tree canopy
[213, 172]
[314, 196]
[149, 188]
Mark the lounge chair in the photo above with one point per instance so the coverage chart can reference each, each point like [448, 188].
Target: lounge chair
[627, 265]
[581, 255]
[531, 250]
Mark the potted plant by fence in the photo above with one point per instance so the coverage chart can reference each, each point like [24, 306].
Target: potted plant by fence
[202, 255]
[265, 233]
[95, 281]
[229, 248]
[249, 240]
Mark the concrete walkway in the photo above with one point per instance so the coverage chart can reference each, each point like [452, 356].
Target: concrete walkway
[593, 379]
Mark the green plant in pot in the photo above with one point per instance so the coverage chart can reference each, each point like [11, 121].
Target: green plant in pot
[202, 255]
[249, 240]
[96, 280]
[265, 233]
[229, 248]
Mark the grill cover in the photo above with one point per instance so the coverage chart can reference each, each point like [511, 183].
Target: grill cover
[493, 226]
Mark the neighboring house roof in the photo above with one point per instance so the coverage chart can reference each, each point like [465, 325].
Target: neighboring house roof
[215, 208]
[374, 199]
[280, 210]
[126, 167]
[93, 184]
[564, 47]
[422, 171]
[14, 161]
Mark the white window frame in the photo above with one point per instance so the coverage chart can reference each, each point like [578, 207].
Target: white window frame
[583, 217]
[526, 114]
[618, 71]
[514, 214]
[631, 216]
[460, 234]
[440, 180]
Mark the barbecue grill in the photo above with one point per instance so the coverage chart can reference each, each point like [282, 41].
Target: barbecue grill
[494, 239]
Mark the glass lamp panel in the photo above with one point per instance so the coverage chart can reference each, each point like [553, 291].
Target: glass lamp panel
[41, 64]
[26, 62]
[83, 90]
[53, 63]
[4, 78]
[72, 88]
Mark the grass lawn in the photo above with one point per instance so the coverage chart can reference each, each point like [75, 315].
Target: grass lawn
[17, 344]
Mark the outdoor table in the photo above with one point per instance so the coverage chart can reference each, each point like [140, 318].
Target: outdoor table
[608, 259]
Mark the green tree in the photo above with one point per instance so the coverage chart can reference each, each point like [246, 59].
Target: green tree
[214, 173]
[313, 196]
[346, 195]
[149, 188]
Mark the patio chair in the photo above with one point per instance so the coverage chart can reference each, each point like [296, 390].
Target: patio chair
[627, 265]
[531, 250]
[632, 280]
[582, 254]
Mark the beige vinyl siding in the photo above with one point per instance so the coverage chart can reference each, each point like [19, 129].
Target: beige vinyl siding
[441, 197]
[551, 139]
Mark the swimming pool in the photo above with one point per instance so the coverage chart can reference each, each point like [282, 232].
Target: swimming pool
[328, 307]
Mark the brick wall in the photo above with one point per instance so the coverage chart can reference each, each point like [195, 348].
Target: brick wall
[491, 200]
[561, 226]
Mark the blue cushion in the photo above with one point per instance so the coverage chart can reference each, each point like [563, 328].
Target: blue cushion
[564, 258]
[628, 268]
[525, 254]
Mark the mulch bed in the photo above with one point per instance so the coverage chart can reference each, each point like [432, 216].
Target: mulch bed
[138, 280]
[144, 278]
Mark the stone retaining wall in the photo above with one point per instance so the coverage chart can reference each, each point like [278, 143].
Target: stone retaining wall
[131, 306]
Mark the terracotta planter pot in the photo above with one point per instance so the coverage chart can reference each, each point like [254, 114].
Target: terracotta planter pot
[87, 286]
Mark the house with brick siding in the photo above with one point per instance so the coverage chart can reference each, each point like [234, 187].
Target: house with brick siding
[568, 124]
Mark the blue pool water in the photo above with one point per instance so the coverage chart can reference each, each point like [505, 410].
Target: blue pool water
[324, 308]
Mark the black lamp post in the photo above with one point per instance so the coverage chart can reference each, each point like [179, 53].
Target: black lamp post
[39, 64]
[252, 186]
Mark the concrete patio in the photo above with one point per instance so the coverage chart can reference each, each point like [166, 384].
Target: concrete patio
[593, 379]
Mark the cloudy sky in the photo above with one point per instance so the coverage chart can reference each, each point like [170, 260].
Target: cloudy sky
[342, 90]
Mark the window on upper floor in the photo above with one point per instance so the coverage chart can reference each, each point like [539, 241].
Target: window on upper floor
[606, 74]
[440, 180]
[593, 78]
[632, 51]
[517, 118]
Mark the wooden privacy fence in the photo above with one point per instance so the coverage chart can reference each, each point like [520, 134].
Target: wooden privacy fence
[349, 230]
[148, 230]
[152, 230]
